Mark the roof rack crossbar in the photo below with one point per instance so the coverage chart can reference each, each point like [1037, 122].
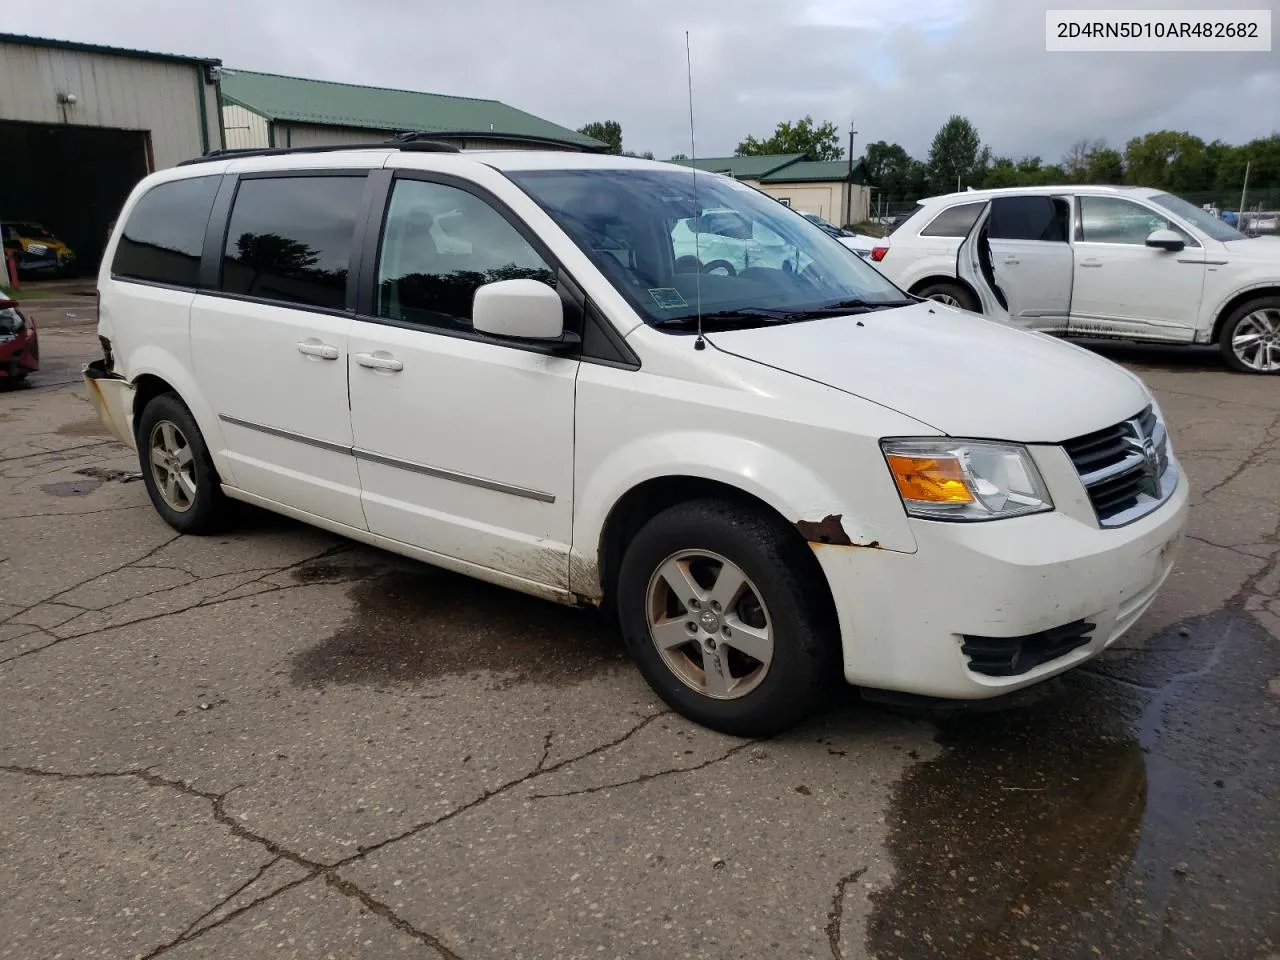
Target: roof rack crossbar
[395, 143]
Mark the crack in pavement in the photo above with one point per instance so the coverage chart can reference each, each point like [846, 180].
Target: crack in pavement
[488, 795]
[194, 925]
[211, 601]
[836, 915]
[329, 872]
[1253, 459]
[49, 453]
[644, 777]
[76, 513]
[217, 802]
[54, 597]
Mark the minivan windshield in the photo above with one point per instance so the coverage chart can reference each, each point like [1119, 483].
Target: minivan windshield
[746, 259]
[1202, 220]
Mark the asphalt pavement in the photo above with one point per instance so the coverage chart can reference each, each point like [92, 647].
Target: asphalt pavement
[276, 742]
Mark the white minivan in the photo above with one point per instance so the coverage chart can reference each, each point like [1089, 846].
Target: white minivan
[495, 362]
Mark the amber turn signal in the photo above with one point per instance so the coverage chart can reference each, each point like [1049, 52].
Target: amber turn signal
[930, 479]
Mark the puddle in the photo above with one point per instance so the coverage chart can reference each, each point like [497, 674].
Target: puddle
[84, 428]
[71, 488]
[411, 626]
[1132, 814]
[94, 477]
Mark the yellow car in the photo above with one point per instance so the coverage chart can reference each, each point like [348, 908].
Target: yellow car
[36, 249]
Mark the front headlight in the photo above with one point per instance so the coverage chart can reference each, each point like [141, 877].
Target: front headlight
[965, 480]
[37, 248]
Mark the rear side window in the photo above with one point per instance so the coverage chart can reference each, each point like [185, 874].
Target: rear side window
[1030, 218]
[954, 221]
[164, 236]
[290, 239]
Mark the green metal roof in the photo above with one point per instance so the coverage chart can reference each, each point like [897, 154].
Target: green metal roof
[99, 48]
[817, 171]
[744, 168]
[377, 108]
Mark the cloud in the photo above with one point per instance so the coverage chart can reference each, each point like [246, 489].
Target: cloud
[898, 68]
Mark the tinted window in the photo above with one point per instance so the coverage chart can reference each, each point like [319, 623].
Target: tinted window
[954, 221]
[164, 235]
[1029, 218]
[1113, 220]
[439, 245]
[290, 239]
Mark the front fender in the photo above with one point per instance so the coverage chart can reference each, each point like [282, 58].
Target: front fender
[821, 510]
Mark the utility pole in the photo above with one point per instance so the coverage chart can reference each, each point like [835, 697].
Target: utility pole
[1240, 217]
[848, 186]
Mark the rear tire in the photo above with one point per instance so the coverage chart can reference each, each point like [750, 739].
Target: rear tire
[177, 469]
[781, 613]
[952, 294]
[1244, 342]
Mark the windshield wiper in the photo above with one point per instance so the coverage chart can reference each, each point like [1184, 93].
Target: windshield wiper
[859, 304]
[743, 315]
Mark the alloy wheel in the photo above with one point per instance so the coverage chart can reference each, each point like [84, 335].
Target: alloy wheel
[1256, 340]
[172, 466]
[709, 624]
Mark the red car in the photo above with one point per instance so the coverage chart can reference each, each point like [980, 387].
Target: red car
[19, 346]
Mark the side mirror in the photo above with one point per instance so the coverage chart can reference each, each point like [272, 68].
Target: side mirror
[1166, 240]
[521, 309]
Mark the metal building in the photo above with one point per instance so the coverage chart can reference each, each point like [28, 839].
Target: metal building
[266, 110]
[80, 124]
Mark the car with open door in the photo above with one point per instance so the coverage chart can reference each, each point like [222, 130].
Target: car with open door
[505, 364]
[859, 243]
[1111, 262]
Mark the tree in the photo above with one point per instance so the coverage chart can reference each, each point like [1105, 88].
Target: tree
[890, 168]
[1168, 160]
[679, 156]
[957, 156]
[607, 131]
[820, 142]
[1105, 166]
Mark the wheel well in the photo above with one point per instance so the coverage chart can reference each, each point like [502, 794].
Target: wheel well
[930, 281]
[146, 388]
[1235, 302]
[641, 503]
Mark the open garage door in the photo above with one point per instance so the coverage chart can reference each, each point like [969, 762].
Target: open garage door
[71, 180]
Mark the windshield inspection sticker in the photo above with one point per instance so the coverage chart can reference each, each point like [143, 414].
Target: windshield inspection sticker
[668, 298]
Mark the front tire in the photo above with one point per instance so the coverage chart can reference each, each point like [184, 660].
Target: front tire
[177, 469]
[1250, 338]
[952, 294]
[726, 614]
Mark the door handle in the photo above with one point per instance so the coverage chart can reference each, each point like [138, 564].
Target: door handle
[379, 361]
[312, 347]
[1011, 260]
[1091, 263]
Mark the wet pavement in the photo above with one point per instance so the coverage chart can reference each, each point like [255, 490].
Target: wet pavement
[274, 742]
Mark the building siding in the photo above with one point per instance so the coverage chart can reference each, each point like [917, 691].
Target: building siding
[314, 135]
[824, 199]
[111, 91]
[245, 129]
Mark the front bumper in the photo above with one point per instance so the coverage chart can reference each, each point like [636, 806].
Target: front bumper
[112, 396]
[904, 617]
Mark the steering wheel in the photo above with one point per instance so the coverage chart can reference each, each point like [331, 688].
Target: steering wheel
[724, 265]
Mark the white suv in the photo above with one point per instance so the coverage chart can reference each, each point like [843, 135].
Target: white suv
[497, 363]
[1124, 262]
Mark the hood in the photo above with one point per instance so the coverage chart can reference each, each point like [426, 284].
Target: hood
[1264, 248]
[952, 370]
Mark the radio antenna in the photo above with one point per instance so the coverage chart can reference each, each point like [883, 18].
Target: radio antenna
[699, 343]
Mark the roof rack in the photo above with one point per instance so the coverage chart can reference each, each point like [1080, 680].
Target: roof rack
[406, 141]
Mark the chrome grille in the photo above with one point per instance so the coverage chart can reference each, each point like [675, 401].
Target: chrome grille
[1125, 468]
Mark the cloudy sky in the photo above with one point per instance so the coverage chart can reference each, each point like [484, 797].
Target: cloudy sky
[899, 67]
